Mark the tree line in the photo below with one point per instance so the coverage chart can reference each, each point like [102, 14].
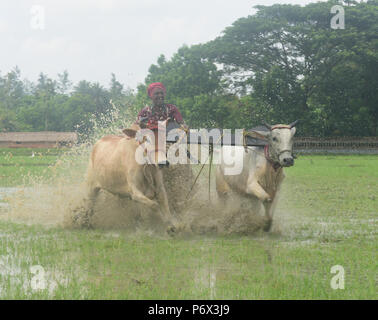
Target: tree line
[280, 64]
[57, 105]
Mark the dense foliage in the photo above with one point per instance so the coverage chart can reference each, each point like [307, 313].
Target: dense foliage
[283, 63]
[54, 105]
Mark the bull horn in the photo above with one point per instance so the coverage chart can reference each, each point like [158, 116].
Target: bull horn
[267, 125]
[293, 124]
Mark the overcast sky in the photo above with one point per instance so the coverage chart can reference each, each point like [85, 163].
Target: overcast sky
[93, 38]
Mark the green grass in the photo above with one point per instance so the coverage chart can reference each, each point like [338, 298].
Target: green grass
[18, 166]
[328, 210]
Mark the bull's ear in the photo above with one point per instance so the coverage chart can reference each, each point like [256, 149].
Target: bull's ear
[261, 134]
[129, 132]
[293, 129]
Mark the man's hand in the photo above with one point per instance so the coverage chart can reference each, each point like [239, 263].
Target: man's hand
[143, 122]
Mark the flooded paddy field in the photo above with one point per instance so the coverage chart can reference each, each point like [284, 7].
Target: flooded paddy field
[326, 216]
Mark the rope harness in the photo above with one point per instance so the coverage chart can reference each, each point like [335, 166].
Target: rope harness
[210, 163]
[276, 165]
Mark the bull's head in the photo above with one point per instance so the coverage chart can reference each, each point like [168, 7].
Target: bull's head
[152, 144]
[280, 141]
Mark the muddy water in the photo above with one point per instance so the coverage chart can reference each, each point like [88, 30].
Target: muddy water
[4, 193]
[53, 205]
[52, 201]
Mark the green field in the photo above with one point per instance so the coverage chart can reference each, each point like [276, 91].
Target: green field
[16, 164]
[327, 215]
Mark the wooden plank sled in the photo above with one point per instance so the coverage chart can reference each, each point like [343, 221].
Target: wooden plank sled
[194, 137]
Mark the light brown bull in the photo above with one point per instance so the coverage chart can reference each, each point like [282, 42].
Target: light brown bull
[115, 166]
[260, 172]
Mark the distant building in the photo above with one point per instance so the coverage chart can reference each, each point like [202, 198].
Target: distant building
[44, 139]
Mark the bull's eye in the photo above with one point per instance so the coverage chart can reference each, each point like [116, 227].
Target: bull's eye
[275, 139]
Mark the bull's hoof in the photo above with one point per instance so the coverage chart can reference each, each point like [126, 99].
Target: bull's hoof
[171, 230]
[82, 221]
[76, 220]
[267, 225]
[86, 224]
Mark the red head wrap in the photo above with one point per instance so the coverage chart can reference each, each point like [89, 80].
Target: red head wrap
[153, 86]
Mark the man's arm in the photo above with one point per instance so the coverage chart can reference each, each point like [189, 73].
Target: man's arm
[176, 115]
[142, 118]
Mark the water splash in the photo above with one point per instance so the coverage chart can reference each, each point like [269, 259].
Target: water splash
[51, 198]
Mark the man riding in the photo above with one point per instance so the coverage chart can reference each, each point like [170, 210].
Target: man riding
[149, 116]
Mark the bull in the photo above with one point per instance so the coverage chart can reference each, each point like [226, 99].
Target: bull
[262, 168]
[114, 167]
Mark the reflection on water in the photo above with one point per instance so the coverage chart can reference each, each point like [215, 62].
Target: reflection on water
[40, 204]
[4, 192]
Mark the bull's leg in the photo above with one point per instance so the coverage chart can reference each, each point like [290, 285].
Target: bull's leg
[254, 188]
[134, 189]
[138, 196]
[91, 199]
[258, 191]
[83, 218]
[269, 210]
[268, 215]
[222, 187]
[162, 194]
[167, 216]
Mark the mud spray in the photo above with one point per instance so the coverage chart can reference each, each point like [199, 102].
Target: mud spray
[51, 199]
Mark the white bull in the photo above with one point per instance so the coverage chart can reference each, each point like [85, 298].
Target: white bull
[261, 174]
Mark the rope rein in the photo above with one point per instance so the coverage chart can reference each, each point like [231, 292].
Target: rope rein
[211, 151]
[275, 165]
